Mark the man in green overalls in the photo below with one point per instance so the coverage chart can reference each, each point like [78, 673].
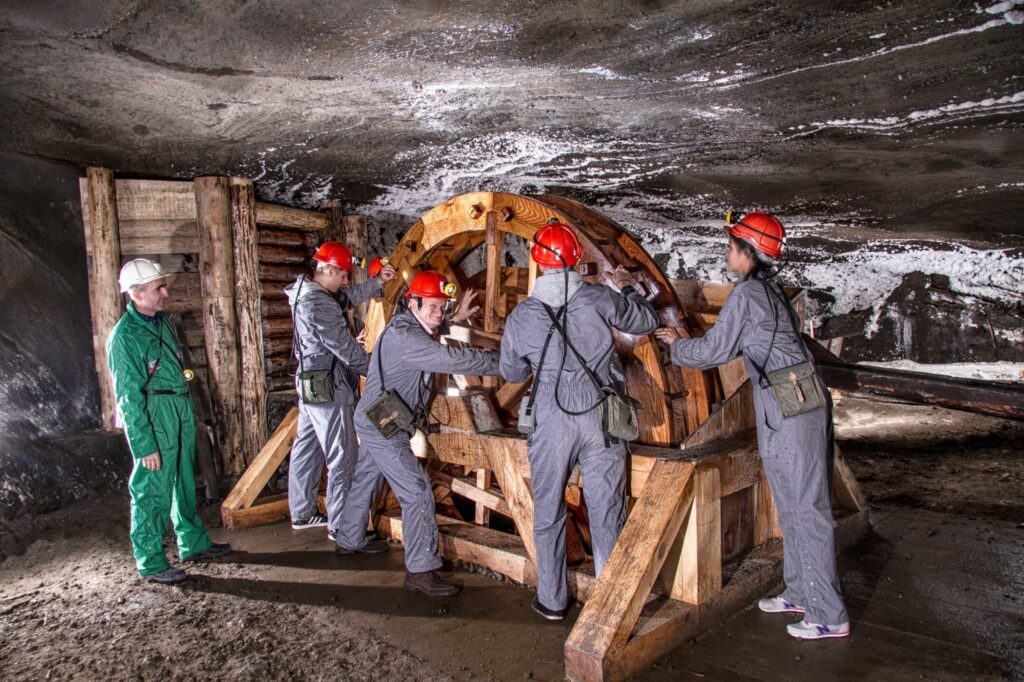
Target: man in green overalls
[155, 409]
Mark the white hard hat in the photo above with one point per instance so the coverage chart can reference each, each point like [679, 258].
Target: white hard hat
[138, 271]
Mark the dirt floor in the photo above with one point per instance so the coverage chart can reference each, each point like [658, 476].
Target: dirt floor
[934, 591]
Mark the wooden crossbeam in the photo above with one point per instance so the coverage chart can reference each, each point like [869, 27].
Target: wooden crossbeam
[256, 477]
[614, 606]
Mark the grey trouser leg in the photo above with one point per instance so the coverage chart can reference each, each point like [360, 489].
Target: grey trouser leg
[554, 449]
[341, 464]
[324, 433]
[305, 464]
[394, 459]
[604, 489]
[366, 483]
[795, 466]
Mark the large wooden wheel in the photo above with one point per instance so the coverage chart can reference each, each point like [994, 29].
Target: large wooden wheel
[449, 237]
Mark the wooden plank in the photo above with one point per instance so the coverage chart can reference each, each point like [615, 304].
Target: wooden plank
[269, 236]
[766, 516]
[494, 241]
[216, 255]
[511, 392]
[693, 569]
[284, 274]
[253, 391]
[159, 227]
[99, 203]
[283, 255]
[263, 466]
[631, 571]
[266, 510]
[155, 200]
[846, 491]
[272, 215]
[481, 515]
[506, 467]
[487, 497]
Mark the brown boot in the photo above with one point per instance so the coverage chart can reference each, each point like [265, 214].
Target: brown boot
[430, 584]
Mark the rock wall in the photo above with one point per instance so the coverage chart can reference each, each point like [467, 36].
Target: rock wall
[50, 450]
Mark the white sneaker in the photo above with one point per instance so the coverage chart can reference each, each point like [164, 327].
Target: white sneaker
[778, 605]
[805, 630]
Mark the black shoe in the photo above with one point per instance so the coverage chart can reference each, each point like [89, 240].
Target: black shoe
[430, 584]
[314, 520]
[168, 576]
[371, 547]
[217, 549]
[550, 614]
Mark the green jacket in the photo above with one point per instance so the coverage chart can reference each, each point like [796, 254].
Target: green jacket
[143, 355]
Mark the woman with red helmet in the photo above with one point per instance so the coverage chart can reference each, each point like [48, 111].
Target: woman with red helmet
[398, 391]
[793, 410]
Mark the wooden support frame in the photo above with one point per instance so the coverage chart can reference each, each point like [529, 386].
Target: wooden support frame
[695, 478]
[217, 277]
[106, 301]
[252, 392]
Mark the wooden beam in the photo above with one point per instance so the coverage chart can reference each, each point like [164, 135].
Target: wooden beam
[486, 497]
[253, 391]
[99, 205]
[273, 215]
[504, 462]
[263, 466]
[614, 606]
[269, 509]
[217, 279]
[993, 398]
[693, 570]
[847, 494]
[766, 516]
[510, 392]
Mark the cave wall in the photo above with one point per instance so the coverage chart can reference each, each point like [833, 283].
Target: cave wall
[51, 451]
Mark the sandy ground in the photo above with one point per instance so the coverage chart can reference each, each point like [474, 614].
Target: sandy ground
[72, 608]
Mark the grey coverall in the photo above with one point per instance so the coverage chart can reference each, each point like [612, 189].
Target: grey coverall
[794, 451]
[560, 440]
[323, 338]
[408, 355]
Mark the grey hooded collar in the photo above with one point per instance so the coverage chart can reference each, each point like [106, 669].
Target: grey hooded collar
[550, 287]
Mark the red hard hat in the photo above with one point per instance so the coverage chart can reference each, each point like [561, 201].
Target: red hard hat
[377, 264]
[762, 231]
[558, 239]
[430, 284]
[336, 254]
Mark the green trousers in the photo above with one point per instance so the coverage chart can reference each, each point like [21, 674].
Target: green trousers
[170, 492]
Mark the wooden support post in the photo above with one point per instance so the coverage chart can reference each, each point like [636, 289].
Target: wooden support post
[614, 605]
[847, 494]
[217, 281]
[353, 230]
[693, 570]
[247, 308]
[494, 241]
[766, 516]
[505, 465]
[531, 277]
[482, 516]
[106, 302]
